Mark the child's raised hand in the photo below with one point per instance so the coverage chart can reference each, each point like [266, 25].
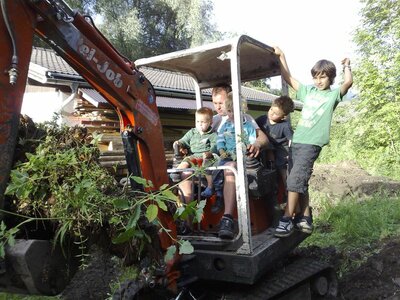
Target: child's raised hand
[278, 50]
[346, 61]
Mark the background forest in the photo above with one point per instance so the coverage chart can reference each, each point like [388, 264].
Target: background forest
[367, 129]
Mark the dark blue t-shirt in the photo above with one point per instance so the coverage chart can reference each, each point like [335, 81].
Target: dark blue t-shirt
[278, 134]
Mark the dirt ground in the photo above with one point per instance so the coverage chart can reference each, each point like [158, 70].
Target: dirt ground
[379, 277]
[348, 179]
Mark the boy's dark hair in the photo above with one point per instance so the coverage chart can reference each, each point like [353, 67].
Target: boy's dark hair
[324, 66]
[205, 111]
[221, 87]
[285, 103]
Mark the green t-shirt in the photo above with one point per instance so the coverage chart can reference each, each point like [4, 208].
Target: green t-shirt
[316, 116]
[199, 143]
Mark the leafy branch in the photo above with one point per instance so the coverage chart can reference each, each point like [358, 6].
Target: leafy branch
[64, 184]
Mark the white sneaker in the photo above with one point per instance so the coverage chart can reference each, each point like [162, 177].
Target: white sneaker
[305, 225]
[285, 227]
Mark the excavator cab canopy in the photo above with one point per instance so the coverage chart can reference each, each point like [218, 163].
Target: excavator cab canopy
[214, 63]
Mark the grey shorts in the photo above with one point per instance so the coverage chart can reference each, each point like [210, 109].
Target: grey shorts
[303, 157]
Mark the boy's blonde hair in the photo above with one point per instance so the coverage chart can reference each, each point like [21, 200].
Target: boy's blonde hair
[229, 103]
[205, 111]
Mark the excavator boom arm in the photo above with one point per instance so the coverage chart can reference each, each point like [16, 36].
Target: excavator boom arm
[79, 42]
[76, 39]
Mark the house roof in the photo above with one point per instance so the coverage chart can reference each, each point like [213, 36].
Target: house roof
[51, 61]
[47, 66]
[95, 98]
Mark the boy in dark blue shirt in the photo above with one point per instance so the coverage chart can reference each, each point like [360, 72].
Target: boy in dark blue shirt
[279, 132]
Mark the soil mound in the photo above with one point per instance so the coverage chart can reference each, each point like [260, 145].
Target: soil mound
[379, 276]
[347, 178]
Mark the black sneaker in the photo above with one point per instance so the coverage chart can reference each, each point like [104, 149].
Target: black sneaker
[297, 219]
[218, 205]
[183, 228]
[226, 228]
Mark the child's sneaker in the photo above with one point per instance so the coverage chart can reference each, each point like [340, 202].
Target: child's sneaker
[285, 227]
[183, 228]
[226, 227]
[208, 192]
[305, 225]
[297, 218]
[176, 161]
[175, 177]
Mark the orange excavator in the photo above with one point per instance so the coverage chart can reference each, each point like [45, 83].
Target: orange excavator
[251, 258]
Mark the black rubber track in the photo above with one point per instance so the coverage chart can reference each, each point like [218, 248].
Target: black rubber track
[274, 285]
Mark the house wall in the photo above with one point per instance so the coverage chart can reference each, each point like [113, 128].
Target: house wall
[40, 103]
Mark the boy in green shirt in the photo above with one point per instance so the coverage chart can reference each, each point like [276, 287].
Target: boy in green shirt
[201, 142]
[311, 134]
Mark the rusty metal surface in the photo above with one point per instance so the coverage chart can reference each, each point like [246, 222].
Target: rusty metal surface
[11, 94]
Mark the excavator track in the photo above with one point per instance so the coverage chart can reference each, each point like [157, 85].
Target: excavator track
[303, 278]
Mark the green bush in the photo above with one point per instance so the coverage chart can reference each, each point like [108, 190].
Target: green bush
[373, 143]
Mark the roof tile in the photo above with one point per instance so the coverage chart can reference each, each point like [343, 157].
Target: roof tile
[50, 60]
[160, 79]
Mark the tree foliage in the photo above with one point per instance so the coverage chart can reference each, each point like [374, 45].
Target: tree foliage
[140, 28]
[378, 41]
[84, 6]
[378, 80]
[372, 132]
[260, 84]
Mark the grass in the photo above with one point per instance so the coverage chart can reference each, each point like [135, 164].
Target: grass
[352, 225]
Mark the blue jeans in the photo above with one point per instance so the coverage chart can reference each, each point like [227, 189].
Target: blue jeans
[218, 177]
